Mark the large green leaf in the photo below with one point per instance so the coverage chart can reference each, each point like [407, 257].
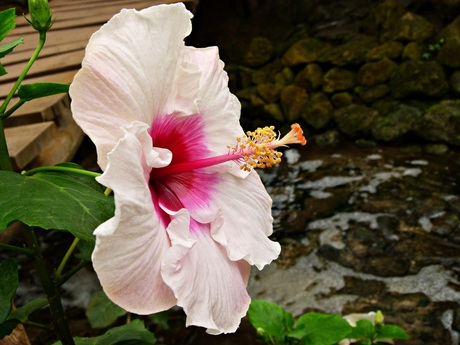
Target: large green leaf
[29, 92]
[8, 285]
[7, 22]
[8, 48]
[133, 333]
[54, 200]
[269, 318]
[390, 331]
[320, 329]
[22, 314]
[101, 311]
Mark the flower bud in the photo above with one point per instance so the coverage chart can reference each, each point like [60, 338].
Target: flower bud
[40, 15]
[379, 318]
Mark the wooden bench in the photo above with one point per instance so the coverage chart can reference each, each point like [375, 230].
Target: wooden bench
[42, 132]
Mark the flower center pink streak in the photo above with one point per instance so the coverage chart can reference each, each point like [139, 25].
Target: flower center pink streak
[191, 189]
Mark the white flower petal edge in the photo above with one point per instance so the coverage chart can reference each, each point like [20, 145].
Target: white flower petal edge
[130, 246]
[245, 220]
[128, 72]
[210, 287]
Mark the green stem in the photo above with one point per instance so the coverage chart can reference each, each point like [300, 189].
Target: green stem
[62, 169]
[57, 274]
[50, 288]
[41, 43]
[5, 161]
[13, 109]
[21, 250]
[72, 272]
[36, 325]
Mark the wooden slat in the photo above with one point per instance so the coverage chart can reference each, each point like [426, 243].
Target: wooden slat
[26, 142]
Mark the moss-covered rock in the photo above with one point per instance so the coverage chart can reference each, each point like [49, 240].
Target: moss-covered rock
[411, 27]
[260, 52]
[370, 94]
[399, 121]
[275, 112]
[412, 51]
[356, 120]
[304, 51]
[450, 52]
[285, 76]
[373, 73]
[318, 111]
[352, 52]
[270, 92]
[441, 123]
[455, 81]
[341, 99]
[387, 50]
[266, 74]
[293, 101]
[412, 78]
[387, 13]
[338, 79]
[310, 77]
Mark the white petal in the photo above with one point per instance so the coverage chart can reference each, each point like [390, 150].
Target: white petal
[128, 72]
[219, 108]
[130, 246]
[210, 287]
[245, 220]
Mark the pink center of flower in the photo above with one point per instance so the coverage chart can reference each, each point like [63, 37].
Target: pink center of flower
[182, 183]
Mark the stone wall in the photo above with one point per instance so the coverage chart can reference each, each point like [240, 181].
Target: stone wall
[394, 77]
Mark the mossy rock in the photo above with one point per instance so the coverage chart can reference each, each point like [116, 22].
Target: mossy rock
[305, 51]
[356, 120]
[293, 101]
[411, 28]
[412, 78]
[373, 73]
[338, 79]
[449, 53]
[441, 123]
[260, 52]
[413, 51]
[310, 77]
[352, 52]
[370, 94]
[387, 50]
[342, 99]
[318, 111]
[398, 122]
[454, 81]
[270, 92]
[266, 74]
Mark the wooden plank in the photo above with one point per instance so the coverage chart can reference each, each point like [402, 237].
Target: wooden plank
[48, 65]
[26, 142]
[65, 77]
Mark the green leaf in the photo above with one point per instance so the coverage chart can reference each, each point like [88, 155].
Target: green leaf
[7, 327]
[2, 70]
[270, 317]
[8, 48]
[86, 250]
[391, 332]
[54, 200]
[8, 285]
[29, 92]
[320, 329]
[7, 22]
[364, 329]
[101, 311]
[133, 333]
[22, 314]
[161, 319]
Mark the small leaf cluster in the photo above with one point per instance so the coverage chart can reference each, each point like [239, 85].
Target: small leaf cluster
[276, 326]
[433, 48]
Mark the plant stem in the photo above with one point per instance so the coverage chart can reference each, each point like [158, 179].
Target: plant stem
[57, 274]
[41, 43]
[72, 272]
[62, 169]
[21, 250]
[50, 288]
[13, 109]
[5, 161]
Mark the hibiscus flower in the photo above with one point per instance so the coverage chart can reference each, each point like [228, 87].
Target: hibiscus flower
[191, 214]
